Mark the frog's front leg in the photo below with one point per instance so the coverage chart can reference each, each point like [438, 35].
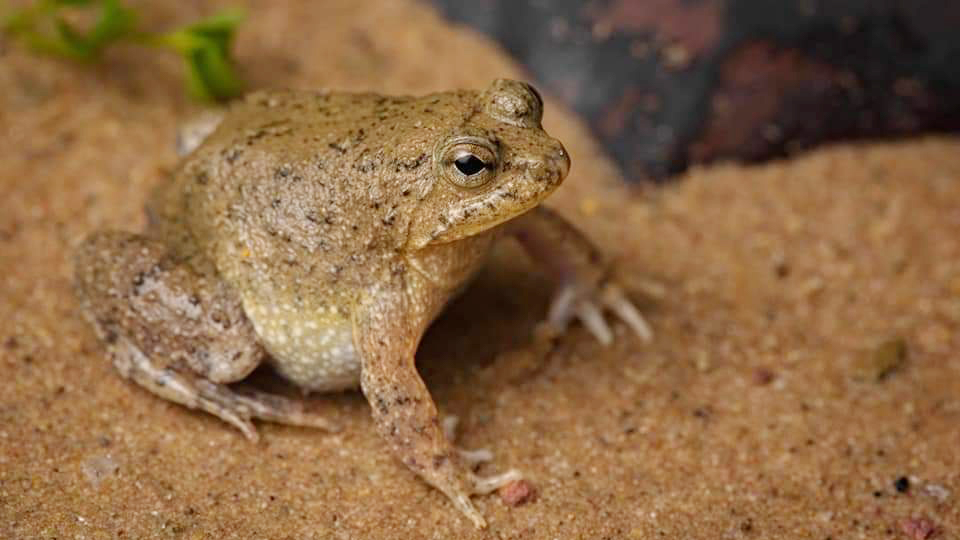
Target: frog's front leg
[579, 269]
[387, 331]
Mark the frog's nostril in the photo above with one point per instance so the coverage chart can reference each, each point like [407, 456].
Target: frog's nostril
[561, 160]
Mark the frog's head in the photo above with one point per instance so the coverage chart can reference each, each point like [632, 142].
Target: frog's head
[493, 166]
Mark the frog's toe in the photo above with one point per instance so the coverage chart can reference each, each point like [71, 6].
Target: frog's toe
[587, 307]
[279, 409]
[475, 457]
[470, 457]
[194, 392]
[236, 409]
[591, 317]
[483, 485]
[217, 401]
[562, 309]
[465, 506]
[477, 485]
[614, 299]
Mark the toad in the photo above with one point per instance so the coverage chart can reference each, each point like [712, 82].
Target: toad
[323, 232]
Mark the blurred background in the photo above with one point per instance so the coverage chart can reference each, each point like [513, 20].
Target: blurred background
[670, 83]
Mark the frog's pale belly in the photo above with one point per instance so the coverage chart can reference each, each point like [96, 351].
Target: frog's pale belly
[314, 350]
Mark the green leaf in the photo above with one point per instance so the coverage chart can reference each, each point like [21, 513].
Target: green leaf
[71, 42]
[204, 45]
[220, 25]
[114, 22]
[70, 2]
[215, 31]
[21, 20]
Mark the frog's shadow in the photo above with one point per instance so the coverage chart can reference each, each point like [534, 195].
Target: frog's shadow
[495, 314]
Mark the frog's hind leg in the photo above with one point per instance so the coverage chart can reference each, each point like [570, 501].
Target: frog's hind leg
[233, 407]
[176, 331]
[279, 409]
[169, 384]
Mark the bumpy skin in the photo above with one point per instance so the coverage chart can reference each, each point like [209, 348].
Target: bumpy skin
[325, 232]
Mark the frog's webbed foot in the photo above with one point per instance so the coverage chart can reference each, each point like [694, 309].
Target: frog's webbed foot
[588, 305]
[170, 384]
[234, 408]
[572, 261]
[279, 409]
[483, 485]
[473, 484]
[479, 485]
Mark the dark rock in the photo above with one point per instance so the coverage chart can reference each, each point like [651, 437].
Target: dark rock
[669, 83]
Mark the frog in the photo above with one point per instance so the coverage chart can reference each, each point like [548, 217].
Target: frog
[322, 232]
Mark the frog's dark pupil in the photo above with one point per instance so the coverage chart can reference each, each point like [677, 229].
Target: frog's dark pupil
[469, 164]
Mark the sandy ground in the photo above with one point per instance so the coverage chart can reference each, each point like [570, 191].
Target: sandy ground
[807, 317]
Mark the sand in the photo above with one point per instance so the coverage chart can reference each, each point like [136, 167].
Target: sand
[807, 315]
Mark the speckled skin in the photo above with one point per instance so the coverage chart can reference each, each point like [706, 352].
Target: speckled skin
[325, 232]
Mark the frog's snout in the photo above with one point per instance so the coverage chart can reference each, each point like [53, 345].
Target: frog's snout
[560, 161]
[548, 169]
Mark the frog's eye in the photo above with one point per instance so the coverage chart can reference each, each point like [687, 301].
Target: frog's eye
[469, 164]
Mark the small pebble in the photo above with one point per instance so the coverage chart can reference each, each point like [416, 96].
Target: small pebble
[937, 491]
[881, 362]
[763, 376]
[902, 484]
[516, 493]
[918, 528]
[98, 468]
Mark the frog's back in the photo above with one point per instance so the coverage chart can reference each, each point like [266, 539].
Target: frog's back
[336, 176]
